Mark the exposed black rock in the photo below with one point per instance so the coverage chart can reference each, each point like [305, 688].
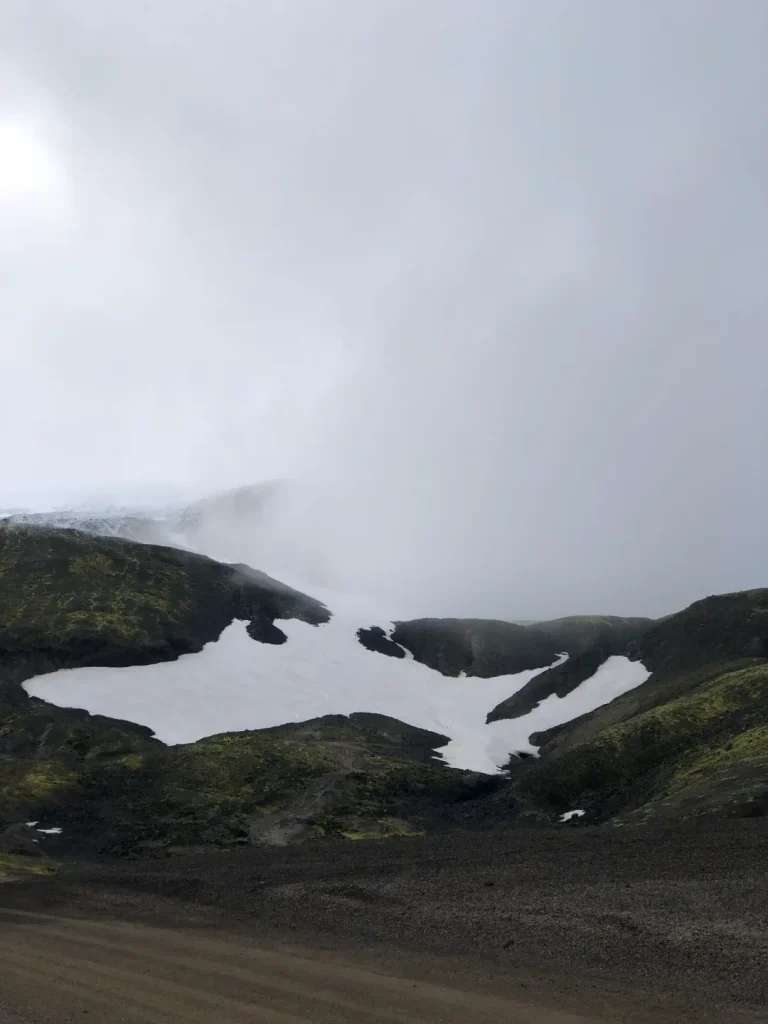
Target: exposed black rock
[578, 634]
[715, 629]
[560, 680]
[375, 639]
[491, 647]
[477, 647]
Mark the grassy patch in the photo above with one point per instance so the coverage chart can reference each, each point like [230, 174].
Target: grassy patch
[722, 723]
[13, 868]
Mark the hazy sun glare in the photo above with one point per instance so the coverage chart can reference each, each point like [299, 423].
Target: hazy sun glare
[27, 166]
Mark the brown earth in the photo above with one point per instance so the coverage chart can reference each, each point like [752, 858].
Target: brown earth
[548, 927]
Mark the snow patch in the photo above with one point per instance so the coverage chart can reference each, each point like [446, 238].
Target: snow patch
[570, 815]
[236, 683]
[43, 831]
[615, 676]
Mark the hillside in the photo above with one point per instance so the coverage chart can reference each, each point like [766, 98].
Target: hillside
[692, 740]
[329, 738]
[111, 788]
[67, 598]
[70, 599]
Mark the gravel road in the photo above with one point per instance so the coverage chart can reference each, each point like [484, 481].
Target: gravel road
[620, 926]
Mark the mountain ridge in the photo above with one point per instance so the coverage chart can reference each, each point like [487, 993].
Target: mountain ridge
[691, 740]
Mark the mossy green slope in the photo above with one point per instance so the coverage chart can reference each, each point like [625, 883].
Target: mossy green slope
[68, 598]
[692, 740]
[14, 868]
[703, 752]
[114, 789]
[681, 651]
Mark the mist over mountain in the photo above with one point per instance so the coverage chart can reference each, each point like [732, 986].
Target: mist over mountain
[490, 287]
[383, 562]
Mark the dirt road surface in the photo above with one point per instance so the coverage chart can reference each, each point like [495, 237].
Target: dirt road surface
[619, 926]
[60, 970]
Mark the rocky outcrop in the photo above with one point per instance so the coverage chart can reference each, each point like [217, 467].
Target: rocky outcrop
[375, 639]
[476, 647]
[559, 680]
[492, 647]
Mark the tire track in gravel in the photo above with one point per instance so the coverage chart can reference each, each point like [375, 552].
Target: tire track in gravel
[57, 970]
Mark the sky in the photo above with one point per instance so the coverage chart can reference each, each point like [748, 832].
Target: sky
[487, 278]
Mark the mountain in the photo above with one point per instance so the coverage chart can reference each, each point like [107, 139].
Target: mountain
[110, 787]
[71, 599]
[590, 641]
[68, 599]
[271, 525]
[692, 740]
[151, 636]
[232, 684]
[280, 716]
[489, 647]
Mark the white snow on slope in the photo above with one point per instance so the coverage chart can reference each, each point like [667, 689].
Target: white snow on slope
[615, 676]
[237, 683]
[570, 815]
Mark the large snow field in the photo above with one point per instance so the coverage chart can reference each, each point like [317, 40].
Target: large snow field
[236, 683]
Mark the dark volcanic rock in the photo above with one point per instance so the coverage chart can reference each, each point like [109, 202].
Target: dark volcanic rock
[560, 680]
[491, 647]
[477, 647]
[715, 629]
[589, 640]
[579, 634]
[19, 839]
[375, 639]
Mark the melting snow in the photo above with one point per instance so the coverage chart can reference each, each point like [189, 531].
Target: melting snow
[615, 676]
[569, 815]
[237, 683]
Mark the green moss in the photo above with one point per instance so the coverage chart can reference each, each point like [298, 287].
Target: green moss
[383, 828]
[749, 746]
[35, 784]
[69, 598]
[65, 584]
[13, 868]
[722, 723]
[251, 769]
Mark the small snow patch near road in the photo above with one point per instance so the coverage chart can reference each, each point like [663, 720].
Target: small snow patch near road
[570, 815]
[44, 831]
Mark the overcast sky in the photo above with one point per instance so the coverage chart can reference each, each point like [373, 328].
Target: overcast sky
[491, 276]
